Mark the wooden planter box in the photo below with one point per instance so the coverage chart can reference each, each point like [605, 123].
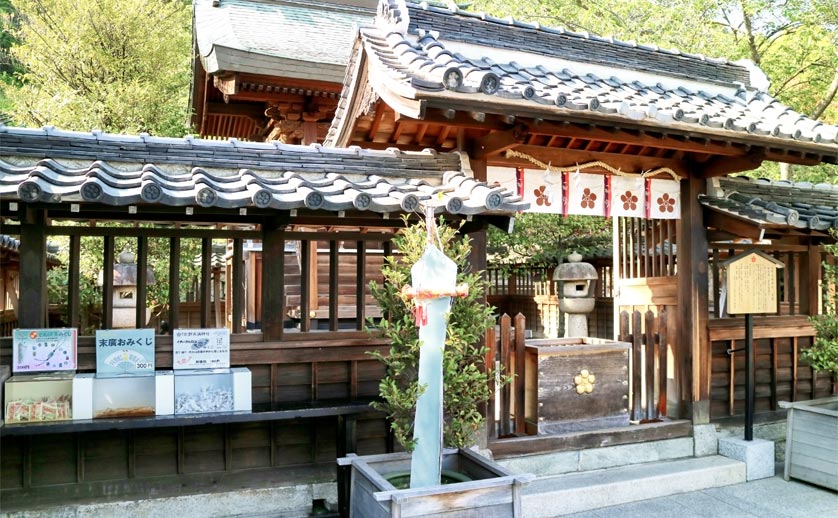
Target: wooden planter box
[493, 491]
[553, 403]
[812, 441]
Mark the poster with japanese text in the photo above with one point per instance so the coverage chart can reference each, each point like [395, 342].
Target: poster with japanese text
[44, 350]
[125, 351]
[201, 348]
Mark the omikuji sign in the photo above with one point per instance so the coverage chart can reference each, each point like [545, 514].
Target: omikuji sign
[201, 348]
[125, 351]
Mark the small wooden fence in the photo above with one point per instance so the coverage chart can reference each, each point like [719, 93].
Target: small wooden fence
[505, 347]
[647, 332]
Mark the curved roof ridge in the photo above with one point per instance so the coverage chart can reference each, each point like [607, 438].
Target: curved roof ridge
[733, 71]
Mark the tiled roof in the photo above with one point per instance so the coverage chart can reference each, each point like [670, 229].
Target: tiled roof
[430, 56]
[53, 166]
[313, 31]
[776, 204]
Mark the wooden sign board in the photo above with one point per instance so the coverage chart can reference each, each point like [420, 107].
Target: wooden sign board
[752, 283]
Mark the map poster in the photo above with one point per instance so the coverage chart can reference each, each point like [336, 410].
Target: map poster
[125, 351]
[201, 348]
[44, 350]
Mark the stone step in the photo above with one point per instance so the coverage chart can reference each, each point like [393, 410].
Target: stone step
[559, 495]
[562, 462]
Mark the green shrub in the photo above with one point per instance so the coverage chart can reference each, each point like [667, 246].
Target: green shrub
[465, 379]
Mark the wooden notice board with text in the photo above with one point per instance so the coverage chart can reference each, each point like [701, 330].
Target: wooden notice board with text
[751, 283]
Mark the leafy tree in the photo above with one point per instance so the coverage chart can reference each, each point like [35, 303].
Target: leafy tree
[546, 239]
[823, 354]
[115, 65]
[464, 379]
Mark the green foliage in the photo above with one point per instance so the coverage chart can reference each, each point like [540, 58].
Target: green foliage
[115, 65]
[464, 380]
[546, 239]
[823, 354]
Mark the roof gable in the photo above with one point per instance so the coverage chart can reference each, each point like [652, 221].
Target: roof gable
[418, 58]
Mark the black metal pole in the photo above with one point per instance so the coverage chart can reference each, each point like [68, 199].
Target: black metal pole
[749, 373]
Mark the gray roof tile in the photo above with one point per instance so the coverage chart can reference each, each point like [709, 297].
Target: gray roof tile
[58, 166]
[690, 90]
[777, 202]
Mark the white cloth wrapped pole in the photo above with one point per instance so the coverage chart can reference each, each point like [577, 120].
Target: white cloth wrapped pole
[433, 274]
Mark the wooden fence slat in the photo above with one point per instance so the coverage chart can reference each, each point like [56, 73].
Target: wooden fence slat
[491, 351]
[520, 350]
[506, 361]
[731, 378]
[663, 363]
[625, 330]
[650, 354]
[636, 365]
[775, 364]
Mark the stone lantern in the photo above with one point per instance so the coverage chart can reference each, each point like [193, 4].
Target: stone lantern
[575, 284]
[125, 290]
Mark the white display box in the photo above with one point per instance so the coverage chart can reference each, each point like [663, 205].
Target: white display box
[212, 390]
[164, 392]
[83, 396]
[38, 397]
[123, 395]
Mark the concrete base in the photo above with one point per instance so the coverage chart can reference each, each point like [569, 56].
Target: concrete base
[758, 455]
[706, 441]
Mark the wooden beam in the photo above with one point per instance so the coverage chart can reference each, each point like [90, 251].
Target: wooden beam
[227, 84]
[497, 142]
[563, 157]
[733, 225]
[458, 118]
[603, 134]
[720, 166]
[250, 111]
[380, 108]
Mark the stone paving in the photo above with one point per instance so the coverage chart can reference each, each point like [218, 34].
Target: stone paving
[765, 498]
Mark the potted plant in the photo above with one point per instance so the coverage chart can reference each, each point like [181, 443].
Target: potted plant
[812, 426]
[476, 484]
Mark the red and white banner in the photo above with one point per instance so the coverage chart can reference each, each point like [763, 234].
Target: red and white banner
[665, 199]
[627, 196]
[585, 193]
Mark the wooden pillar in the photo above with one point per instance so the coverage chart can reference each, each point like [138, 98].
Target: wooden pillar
[107, 282]
[810, 276]
[273, 279]
[692, 349]
[236, 289]
[74, 283]
[142, 281]
[206, 271]
[174, 283]
[32, 296]
[478, 238]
